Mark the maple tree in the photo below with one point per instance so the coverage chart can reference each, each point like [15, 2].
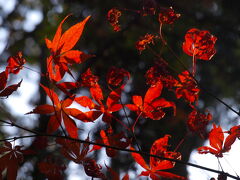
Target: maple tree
[62, 124]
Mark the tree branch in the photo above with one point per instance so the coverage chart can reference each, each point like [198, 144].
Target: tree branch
[36, 134]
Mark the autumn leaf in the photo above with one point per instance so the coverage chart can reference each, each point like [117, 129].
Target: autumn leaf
[217, 145]
[151, 106]
[199, 44]
[3, 79]
[116, 76]
[234, 133]
[10, 159]
[10, 89]
[61, 113]
[93, 169]
[77, 152]
[112, 103]
[144, 41]
[110, 139]
[167, 16]
[154, 170]
[15, 63]
[160, 73]
[74, 151]
[187, 88]
[197, 122]
[62, 54]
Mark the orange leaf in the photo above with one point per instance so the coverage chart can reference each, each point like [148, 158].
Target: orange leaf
[75, 56]
[72, 35]
[139, 159]
[137, 100]
[153, 92]
[56, 40]
[85, 102]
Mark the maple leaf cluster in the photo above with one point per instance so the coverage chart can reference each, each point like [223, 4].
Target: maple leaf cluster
[103, 106]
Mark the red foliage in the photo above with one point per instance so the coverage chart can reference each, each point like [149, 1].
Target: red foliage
[168, 16]
[116, 76]
[10, 159]
[197, 122]
[7, 91]
[112, 103]
[142, 43]
[15, 63]
[60, 113]
[154, 170]
[199, 44]
[113, 18]
[187, 87]
[78, 152]
[111, 139]
[62, 54]
[159, 73]
[151, 107]
[216, 139]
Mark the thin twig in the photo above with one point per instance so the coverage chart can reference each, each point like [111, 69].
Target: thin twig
[125, 150]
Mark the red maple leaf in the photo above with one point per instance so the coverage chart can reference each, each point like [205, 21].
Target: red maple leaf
[78, 152]
[151, 107]
[154, 170]
[112, 103]
[116, 76]
[216, 139]
[159, 73]
[187, 87]
[60, 112]
[15, 63]
[199, 44]
[7, 91]
[144, 41]
[88, 79]
[62, 54]
[167, 16]
[11, 157]
[72, 150]
[197, 122]
[234, 133]
[111, 139]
